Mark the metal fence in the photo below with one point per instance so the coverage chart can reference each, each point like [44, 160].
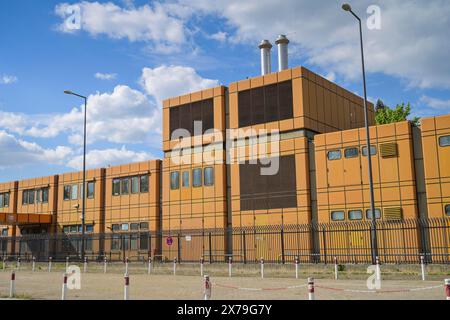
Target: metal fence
[398, 242]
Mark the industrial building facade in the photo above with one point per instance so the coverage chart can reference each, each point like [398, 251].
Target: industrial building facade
[208, 196]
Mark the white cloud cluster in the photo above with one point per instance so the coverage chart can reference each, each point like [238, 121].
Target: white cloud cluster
[105, 76]
[7, 79]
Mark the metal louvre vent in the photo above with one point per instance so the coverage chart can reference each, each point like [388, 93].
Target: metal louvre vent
[388, 150]
[393, 213]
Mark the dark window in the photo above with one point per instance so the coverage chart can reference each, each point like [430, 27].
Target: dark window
[373, 151]
[45, 195]
[66, 229]
[260, 192]
[24, 197]
[174, 180]
[115, 227]
[144, 183]
[209, 176]
[143, 226]
[355, 215]
[134, 185]
[74, 192]
[4, 200]
[30, 196]
[143, 241]
[351, 152]
[334, 155]
[116, 187]
[125, 186]
[444, 141]
[90, 190]
[67, 192]
[73, 229]
[197, 178]
[447, 210]
[265, 104]
[134, 226]
[369, 214]
[5, 232]
[185, 178]
[184, 116]
[134, 242]
[89, 228]
[38, 195]
[337, 215]
[115, 243]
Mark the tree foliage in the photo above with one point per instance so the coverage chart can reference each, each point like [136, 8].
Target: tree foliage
[385, 114]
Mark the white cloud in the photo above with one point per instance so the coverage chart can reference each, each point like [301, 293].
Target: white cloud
[106, 157]
[105, 76]
[411, 45]
[168, 81]
[146, 23]
[219, 36]
[18, 153]
[7, 79]
[428, 106]
[435, 103]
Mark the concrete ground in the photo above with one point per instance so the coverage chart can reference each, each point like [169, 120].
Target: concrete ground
[245, 285]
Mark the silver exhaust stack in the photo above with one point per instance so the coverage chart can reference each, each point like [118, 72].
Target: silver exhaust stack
[282, 43]
[266, 63]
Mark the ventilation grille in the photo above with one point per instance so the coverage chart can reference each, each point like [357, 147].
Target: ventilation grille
[393, 213]
[388, 150]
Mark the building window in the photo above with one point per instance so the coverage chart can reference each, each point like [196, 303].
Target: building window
[337, 215]
[134, 185]
[209, 176]
[197, 178]
[134, 226]
[144, 183]
[4, 232]
[174, 180]
[89, 228]
[351, 152]
[185, 179]
[185, 116]
[444, 141]
[355, 215]
[124, 227]
[38, 196]
[124, 186]
[66, 229]
[45, 192]
[31, 196]
[447, 210]
[334, 155]
[28, 197]
[116, 187]
[66, 192]
[143, 241]
[115, 227]
[4, 200]
[369, 214]
[143, 225]
[74, 192]
[90, 190]
[373, 151]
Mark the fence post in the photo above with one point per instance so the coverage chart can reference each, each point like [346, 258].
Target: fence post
[324, 238]
[422, 266]
[50, 264]
[378, 269]
[262, 268]
[311, 289]
[283, 258]
[245, 247]
[336, 268]
[149, 267]
[64, 287]
[179, 247]
[202, 261]
[105, 264]
[12, 286]
[210, 248]
[296, 267]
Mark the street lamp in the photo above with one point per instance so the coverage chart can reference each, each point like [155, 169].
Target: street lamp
[348, 8]
[83, 195]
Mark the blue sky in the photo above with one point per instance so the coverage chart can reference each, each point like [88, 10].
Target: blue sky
[129, 55]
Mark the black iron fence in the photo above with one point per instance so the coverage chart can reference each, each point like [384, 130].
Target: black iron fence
[398, 242]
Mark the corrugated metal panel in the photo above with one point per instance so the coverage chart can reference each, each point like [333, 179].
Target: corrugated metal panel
[394, 213]
[388, 150]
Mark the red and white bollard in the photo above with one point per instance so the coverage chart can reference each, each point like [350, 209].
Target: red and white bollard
[297, 262]
[336, 268]
[207, 288]
[50, 264]
[33, 267]
[127, 261]
[447, 288]
[202, 262]
[149, 267]
[262, 268]
[175, 266]
[18, 263]
[67, 263]
[311, 289]
[64, 287]
[126, 293]
[378, 269]
[230, 266]
[12, 286]
[105, 264]
[422, 267]
[85, 264]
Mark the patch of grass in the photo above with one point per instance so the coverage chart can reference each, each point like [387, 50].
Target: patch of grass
[21, 296]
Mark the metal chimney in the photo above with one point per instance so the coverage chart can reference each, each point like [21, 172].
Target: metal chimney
[282, 43]
[266, 63]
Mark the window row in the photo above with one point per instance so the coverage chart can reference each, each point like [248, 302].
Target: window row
[89, 228]
[33, 196]
[4, 232]
[444, 141]
[354, 215]
[130, 185]
[4, 200]
[134, 226]
[208, 176]
[75, 191]
[185, 116]
[130, 242]
[352, 152]
[265, 104]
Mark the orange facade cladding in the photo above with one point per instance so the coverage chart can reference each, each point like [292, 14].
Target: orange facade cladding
[7, 212]
[318, 104]
[436, 164]
[69, 210]
[133, 208]
[342, 184]
[218, 96]
[301, 214]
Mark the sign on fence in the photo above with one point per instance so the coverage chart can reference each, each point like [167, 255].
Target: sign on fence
[169, 241]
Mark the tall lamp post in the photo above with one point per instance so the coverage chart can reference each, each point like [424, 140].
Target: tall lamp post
[83, 193]
[348, 8]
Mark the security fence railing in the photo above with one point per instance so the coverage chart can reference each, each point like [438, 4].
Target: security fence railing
[398, 242]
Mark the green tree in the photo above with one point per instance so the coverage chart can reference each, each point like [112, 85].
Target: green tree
[385, 114]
